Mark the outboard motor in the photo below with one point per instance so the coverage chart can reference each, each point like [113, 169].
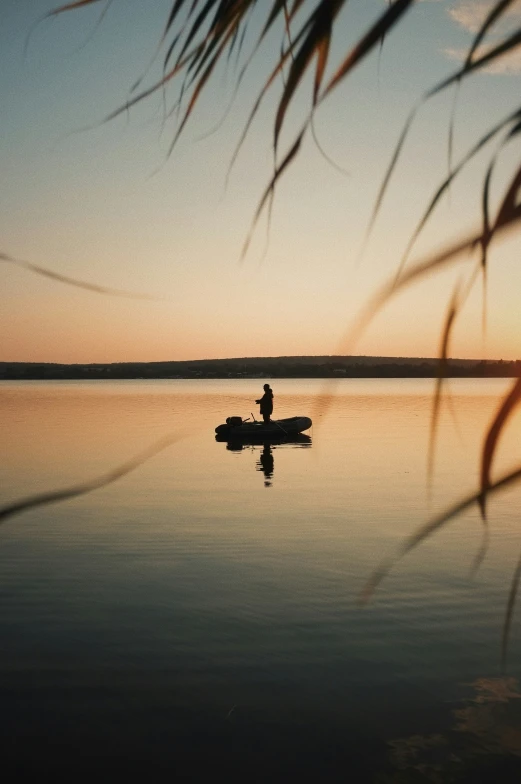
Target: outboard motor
[231, 423]
[234, 421]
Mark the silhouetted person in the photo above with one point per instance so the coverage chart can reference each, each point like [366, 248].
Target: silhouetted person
[266, 464]
[266, 403]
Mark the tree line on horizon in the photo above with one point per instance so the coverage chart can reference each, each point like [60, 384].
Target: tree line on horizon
[281, 367]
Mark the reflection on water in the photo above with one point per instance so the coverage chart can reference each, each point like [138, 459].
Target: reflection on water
[181, 622]
[482, 744]
[266, 464]
[266, 459]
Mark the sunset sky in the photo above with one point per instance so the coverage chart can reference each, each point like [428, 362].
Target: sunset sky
[102, 202]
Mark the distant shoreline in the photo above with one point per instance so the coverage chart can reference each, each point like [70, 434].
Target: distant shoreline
[264, 367]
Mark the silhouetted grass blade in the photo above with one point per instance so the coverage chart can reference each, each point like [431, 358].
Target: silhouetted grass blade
[432, 526]
[390, 170]
[494, 14]
[442, 189]
[323, 153]
[506, 46]
[383, 25]
[54, 496]
[315, 43]
[504, 411]
[176, 8]
[509, 614]
[271, 187]
[71, 6]
[81, 284]
[442, 371]
[480, 555]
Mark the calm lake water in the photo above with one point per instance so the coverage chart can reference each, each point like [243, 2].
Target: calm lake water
[198, 619]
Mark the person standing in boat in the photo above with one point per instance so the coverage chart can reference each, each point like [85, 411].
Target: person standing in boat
[266, 403]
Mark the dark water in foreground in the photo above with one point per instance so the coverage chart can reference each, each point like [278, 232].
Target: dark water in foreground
[198, 618]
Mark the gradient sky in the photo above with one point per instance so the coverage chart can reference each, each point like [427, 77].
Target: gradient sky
[103, 203]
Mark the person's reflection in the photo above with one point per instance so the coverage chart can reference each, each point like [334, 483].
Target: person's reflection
[266, 464]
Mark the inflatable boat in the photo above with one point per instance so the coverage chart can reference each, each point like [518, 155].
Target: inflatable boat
[236, 428]
[237, 444]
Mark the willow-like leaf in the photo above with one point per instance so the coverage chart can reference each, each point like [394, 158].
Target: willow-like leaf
[299, 62]
[199, 21]
[468, 68]
[71, 6]
[198, 89]
[287, 20]
[442, 189]
[171, 48]
[482, 551]
[216, 26]
[506, 46]
[280, 7]
[81, 284]
[240, 45]
[485, 204]
[382, 26]
[364, 47]
[487, 233]
[222, 34]
[509, 614]
[172, 17]
[323, 153]
[450, 318]
[494, 14]
[390, 171]
[322, 57]
[418, 271]
[99, 21]
[452, 123]
[505, 410]
[268, 84]
[150, 90]
[510, 210]
[207, 25]
[271, 187]
[509, 217]
[318, 29]
[458, 299]
[432, 526]
[64, 494]
[239, 35]
[238, 82]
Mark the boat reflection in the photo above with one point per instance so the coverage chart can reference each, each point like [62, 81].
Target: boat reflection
[266, 463]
